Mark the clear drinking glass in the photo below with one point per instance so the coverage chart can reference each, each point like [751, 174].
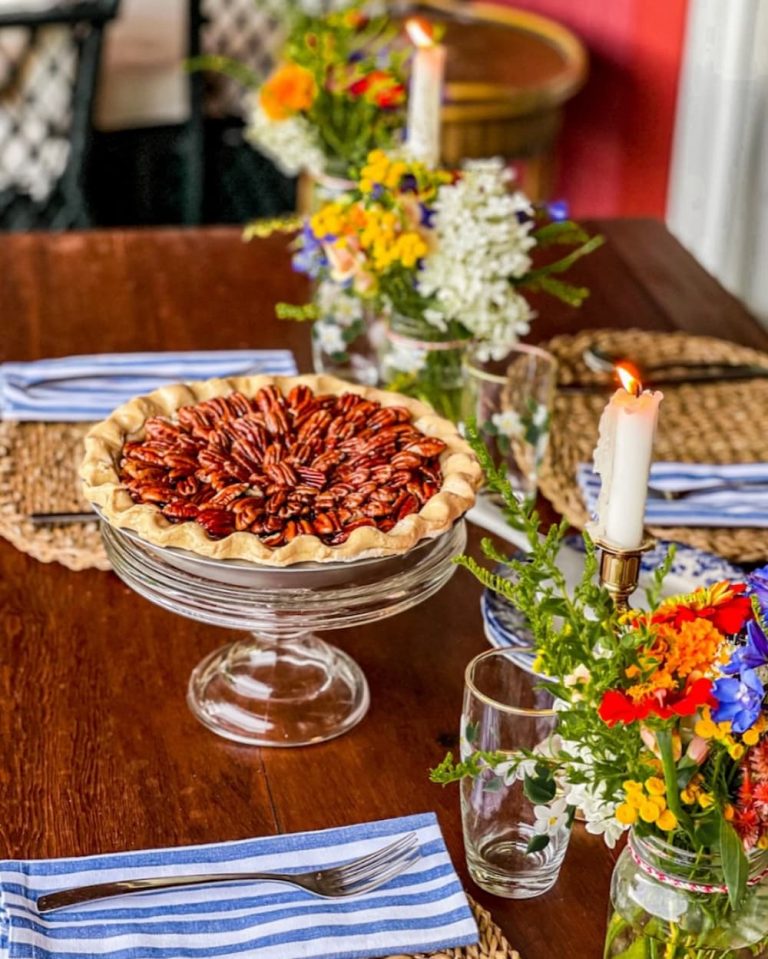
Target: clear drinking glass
[506, 710]
[511, 401]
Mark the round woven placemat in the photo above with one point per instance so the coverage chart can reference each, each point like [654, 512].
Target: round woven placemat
[492, 943]
[38, 474]
[718, 422]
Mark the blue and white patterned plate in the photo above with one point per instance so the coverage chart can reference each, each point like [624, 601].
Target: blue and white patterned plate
[505, 626]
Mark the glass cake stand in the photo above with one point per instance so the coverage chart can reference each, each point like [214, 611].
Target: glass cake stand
[281, 685]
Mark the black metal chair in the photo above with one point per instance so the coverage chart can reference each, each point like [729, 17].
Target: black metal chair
[48, 68]
[240, 183]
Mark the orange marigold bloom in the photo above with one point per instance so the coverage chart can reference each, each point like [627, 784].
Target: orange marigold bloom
[723, 604]
[289, 90]
[693, 646]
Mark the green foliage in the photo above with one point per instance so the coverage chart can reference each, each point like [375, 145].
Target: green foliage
[288, 311]
[226, 65]
[476, 763]
[734, 861]
[540, 788]
[542, 280]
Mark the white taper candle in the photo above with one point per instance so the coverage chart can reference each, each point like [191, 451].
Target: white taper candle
[623, 461]
[425, 95]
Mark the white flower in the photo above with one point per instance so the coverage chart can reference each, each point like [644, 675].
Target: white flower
[508, 423]
[551, 818]
[336, 305]
[507, 771]
[540, 416]
[329, 338]
[599, 814]
[579, 677]
[608, 827]
[482, 240]
[403, 358]
[291, 144]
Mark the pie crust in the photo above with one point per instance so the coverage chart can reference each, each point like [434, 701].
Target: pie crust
[461, 477]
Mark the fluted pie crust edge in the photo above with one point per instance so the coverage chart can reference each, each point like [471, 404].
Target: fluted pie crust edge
[102, 485]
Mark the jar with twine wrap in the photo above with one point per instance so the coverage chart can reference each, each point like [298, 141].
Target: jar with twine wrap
[418, 361]
[670, 903]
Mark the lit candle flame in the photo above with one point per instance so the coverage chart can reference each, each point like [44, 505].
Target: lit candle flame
[420, 32]
[629, 380]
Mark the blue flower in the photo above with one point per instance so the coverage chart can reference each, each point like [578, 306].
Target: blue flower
[409, 184]
[427, 216]
[752, 654]
[758, 586]
[557, 209]
[309, 258]
[739, 700]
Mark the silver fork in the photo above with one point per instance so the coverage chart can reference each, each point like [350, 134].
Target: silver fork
[352, 878]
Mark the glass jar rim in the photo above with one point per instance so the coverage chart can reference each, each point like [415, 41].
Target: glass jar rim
[470, 683]
[524, 348]
[654, 846]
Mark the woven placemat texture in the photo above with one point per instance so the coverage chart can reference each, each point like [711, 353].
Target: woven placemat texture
[38, 474]
[719, 422]
[492, 943]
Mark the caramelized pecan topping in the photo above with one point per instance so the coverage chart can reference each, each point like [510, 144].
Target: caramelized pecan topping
[282, 466]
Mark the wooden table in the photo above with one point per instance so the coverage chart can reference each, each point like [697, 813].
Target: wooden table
[98, 751]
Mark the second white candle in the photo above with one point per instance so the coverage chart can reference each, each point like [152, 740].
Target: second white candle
[623, 460]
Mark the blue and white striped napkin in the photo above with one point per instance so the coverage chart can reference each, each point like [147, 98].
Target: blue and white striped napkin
[83, 388]
[734, 495]
[422, 910]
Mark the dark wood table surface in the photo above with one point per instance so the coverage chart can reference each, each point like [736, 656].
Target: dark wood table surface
[98, 751]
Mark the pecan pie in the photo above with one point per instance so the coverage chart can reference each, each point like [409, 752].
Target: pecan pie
[279, 470]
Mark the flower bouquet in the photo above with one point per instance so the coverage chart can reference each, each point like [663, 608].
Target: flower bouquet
[337, 93]
[662, 730]
[445, 257]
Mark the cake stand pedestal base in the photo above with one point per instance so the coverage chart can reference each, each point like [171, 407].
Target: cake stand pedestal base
[284, 691]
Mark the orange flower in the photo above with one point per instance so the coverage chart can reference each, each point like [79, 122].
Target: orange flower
[724, 604]
[289, 90]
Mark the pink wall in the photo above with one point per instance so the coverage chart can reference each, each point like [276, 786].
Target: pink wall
[615, 148]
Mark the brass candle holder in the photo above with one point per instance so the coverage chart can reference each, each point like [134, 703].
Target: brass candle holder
[620, 569]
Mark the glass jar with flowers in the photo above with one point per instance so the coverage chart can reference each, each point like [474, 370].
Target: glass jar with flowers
[336, 93]
[444, 257]
[662, 731]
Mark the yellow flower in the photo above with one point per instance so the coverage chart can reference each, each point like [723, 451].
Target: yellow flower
[751, 737]
[762, 842]
[736, 751]
[626, 814]
[667, 821]
[655, 786]
[689, 794]
[705, 728]
[649, 811]
[728, 812]
[706, 800]
[632, 786]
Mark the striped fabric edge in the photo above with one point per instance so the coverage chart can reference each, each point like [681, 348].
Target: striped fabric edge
[424, 909]
[736, 509]
[76, 389]
[81, 364]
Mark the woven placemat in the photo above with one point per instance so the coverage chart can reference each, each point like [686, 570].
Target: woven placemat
[720, 422]
[38, 474]
[492, 943]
